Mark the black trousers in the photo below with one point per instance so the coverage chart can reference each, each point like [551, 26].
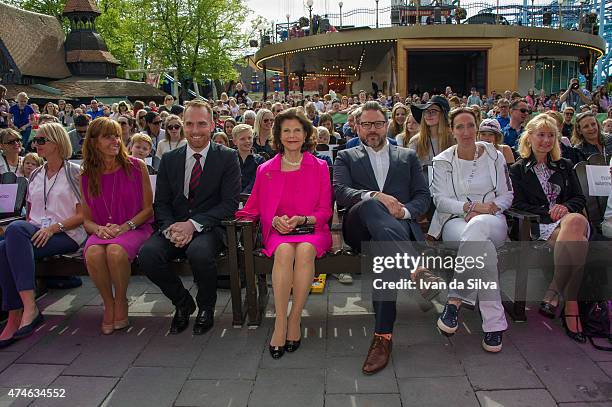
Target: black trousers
[201, 252]
[369, 220]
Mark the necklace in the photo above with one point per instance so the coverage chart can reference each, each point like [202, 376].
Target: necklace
[291, 163]
[467, 185]
[108, 212]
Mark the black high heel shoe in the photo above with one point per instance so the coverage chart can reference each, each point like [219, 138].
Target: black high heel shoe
[577, 336]
[277, 352]
[547, 309]
[292, 346]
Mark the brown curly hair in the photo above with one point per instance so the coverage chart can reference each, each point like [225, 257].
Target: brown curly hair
[290, 114]
[93, 163]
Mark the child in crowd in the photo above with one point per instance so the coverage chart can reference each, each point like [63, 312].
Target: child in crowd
[141, 146]
[607, 127]
[31, 161]
[221, 138]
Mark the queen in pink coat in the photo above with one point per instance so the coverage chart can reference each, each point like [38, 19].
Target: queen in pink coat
[291, 191]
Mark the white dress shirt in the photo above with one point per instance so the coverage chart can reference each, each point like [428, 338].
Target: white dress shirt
[380, 165]
[189, 164]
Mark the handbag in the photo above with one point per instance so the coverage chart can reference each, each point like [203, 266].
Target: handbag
[302, 230]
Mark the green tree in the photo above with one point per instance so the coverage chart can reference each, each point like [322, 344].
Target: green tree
[201, 38]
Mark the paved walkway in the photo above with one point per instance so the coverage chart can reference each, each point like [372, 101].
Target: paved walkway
[539, 366]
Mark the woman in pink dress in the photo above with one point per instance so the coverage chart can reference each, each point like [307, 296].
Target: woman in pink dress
[118, 212]
[292, 191]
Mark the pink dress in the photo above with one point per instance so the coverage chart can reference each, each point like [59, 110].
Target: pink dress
[305, 192]
[121, 195]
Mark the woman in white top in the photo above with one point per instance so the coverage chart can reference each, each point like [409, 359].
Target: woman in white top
[175, 137]
[53, 227]
[471, 189]
[10, 144]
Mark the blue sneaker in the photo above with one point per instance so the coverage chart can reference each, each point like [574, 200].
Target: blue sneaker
[492, 341]
[448, 321]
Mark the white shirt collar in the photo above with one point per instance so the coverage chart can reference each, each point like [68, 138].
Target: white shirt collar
[204, 152]
[385, 149]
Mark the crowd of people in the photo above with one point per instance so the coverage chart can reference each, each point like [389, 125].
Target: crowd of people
[482, 155]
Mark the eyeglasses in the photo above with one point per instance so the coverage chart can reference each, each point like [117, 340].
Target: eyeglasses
[377, 124]
[13, 141]
[41, 141]
[174, 127]
[431, 112]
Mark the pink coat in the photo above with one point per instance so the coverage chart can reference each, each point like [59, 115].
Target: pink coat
[268, 190]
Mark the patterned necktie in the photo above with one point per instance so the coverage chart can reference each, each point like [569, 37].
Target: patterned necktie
[196, 175]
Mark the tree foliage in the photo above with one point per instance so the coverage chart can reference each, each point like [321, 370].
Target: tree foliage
[201, 38]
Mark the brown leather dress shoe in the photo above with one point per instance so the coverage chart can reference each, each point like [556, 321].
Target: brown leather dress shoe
[378, 355]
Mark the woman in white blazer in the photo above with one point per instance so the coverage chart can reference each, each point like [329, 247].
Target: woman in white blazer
[471, 189]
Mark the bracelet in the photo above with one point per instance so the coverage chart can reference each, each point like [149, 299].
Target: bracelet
[305, 220]
[61, 227]
[131, 225]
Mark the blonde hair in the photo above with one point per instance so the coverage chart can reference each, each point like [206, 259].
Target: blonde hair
[394, 128]
[445, 139]
[541, 121]
[577, 136]
[173, 118]
[141, 138]
[56, 133]
[259, 121]
[241, 128]
[34, 157]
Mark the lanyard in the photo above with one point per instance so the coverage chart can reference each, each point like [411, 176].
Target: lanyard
[46, 194]
[8, 166]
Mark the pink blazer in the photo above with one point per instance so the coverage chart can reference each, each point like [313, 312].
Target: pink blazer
[268, 190]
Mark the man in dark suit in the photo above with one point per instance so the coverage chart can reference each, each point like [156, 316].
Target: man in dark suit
[198, 186]
[384, 190]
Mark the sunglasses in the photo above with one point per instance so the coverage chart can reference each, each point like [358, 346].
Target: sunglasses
[523, 110]
[174, 127]
[13, 141]
[40, 141]
[268, 120]
[123, 123]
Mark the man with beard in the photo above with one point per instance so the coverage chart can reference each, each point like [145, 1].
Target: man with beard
[198, 186]
[384, 191]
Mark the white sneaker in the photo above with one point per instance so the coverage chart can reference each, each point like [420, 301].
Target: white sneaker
[344, 278]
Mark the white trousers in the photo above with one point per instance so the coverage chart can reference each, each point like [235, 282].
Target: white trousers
[479, 238]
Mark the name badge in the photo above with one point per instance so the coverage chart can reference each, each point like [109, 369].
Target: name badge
[45, 222]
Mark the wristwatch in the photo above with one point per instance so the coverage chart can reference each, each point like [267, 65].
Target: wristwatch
[131, 225]
[61, 227]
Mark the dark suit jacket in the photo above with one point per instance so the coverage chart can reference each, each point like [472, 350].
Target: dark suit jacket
[216, 198]
[353, 175]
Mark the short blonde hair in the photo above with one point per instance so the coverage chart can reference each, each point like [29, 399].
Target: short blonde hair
[22, 95]
[55, 133]
[141, 137]
[34, 157]
[541, 121]
[241, 128]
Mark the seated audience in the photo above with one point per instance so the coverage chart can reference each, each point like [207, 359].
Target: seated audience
[262, 133]
[175, 137]
[434, 135]
[117, 212]
[471, 190]
[304, 199]
[141, 146]
[10, 146]
[398, 120]
[221, 138]
[545, 184]
[31, 161]
[242, 135]
[490, 131]
[588, 137]
[53, 226]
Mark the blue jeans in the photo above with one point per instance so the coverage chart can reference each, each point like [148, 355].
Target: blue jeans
[25, 138]
[17, 256]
